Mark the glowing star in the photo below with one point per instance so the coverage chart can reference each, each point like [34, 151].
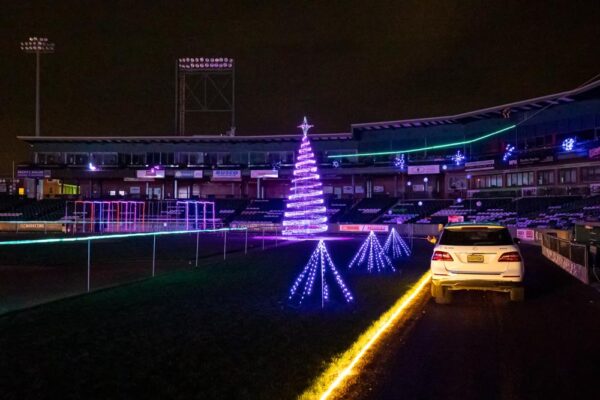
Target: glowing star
[508, 152]
[305, 213]
[399, 161]
[305, 126]
[315, 272]
[394, 245]
[458, 158]
[371, 253]
[568, 144]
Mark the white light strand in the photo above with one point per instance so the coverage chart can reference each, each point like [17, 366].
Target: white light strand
[376, 259]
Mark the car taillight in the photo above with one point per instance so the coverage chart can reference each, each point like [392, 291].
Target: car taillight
[512, 256]
[441, 256]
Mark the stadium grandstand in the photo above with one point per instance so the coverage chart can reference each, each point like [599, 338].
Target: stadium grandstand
[532, 163]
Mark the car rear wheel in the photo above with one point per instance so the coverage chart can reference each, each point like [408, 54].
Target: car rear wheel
[517, 294]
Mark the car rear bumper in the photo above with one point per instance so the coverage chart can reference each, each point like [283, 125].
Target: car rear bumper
[478, 284]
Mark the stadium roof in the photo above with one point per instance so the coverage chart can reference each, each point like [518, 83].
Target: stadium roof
[183, 139]
[582, 92]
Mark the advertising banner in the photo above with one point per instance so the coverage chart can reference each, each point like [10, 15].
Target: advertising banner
[423, 169]
[33, 173]
[150, 173]
[347, 190]
[595, 152]
[480, 165]
[456, 218]
[189, 174]
[364, 228]
[264, 173]
[378, 189]
[526, 234]
[227, 175]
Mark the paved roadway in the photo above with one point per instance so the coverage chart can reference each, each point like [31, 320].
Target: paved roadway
[484, 347]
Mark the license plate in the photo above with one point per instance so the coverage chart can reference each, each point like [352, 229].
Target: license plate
[475, 258]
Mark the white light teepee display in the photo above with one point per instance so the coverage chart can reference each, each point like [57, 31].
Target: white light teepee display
[315, 272]
[395, 246]
[371, 253]
[305, 213]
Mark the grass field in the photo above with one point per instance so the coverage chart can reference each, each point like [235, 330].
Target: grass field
[219, 331]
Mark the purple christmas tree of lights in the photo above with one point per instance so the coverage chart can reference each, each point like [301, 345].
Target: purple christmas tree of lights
[394, 245]
[317, 270]
[305, 213]
[371, 253]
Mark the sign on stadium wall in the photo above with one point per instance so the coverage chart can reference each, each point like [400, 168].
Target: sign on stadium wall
[33, 173]
[189, 174]
[378, 189]
[327, 189]
[480, 165]
[456, 218]
[227, 175]
[150, 173]
[264, 173]
[359, 189]
[363, 228]
[348, 189]
[595, 152]
[423, 169]
[526, 234]
[535, 160]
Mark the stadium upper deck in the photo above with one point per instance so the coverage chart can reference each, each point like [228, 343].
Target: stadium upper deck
[539, 131]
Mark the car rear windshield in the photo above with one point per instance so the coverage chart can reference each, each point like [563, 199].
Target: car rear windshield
[476, 237]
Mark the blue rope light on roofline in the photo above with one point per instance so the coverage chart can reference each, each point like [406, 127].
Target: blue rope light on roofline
[434, 147]
[117, 236]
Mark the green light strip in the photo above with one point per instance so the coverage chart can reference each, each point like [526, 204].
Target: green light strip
[118, 236]
[438, 146]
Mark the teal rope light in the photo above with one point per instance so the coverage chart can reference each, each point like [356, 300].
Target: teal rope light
[434, 147]
[117, 236]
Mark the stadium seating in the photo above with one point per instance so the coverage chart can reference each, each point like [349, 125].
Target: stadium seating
[367, 210]
[31, 210]
[560, 212]
[336, 208]
[262, 210]
[229, 209]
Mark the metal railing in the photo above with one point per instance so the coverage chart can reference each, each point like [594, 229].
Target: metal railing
[572, 257]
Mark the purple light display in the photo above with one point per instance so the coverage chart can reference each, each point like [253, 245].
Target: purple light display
[371, 253]
[316, 271]
[305, 213]
[395, 246]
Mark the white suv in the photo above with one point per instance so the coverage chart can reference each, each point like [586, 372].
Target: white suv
[476, 257]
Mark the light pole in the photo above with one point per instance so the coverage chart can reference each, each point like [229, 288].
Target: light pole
[37, 46]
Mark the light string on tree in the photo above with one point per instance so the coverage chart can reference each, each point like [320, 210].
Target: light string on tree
[395, 245]
[371, 253]
[319, 264]
[305, 210]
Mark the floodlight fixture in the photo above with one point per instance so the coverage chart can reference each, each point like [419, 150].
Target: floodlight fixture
[204, 63]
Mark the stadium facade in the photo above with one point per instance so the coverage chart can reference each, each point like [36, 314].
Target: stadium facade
[544, 146]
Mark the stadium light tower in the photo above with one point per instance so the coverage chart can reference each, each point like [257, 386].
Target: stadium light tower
[206, 85]
[37, 46]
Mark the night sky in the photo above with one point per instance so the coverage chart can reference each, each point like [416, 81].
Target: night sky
[338, 62]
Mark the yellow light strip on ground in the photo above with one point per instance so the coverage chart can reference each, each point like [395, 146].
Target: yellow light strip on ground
[343, 366]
